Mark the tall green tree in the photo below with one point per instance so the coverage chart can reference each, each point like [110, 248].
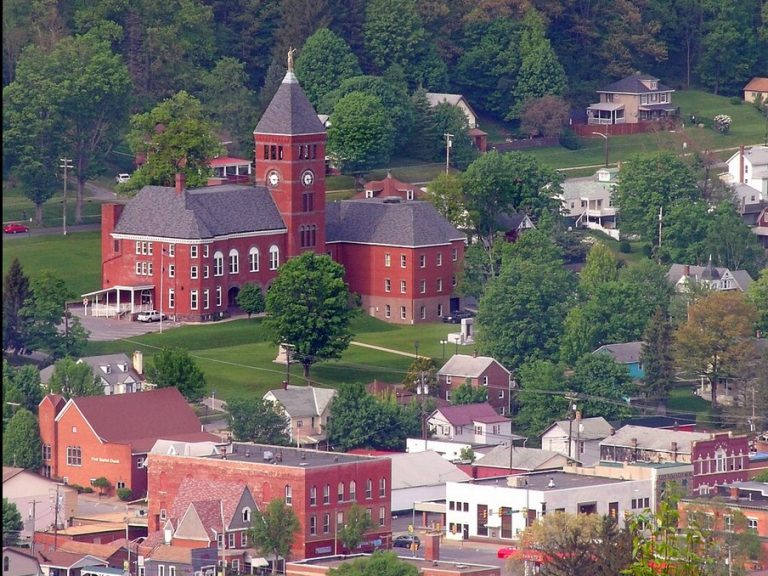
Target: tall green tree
[657, 358]
[731, 243]
[175, 367]
[356, 523]
[274, 529]
[540, 397]
[716, 339]
[642, 192]
[540, 73]
[446, 194]
[15, 294]
[48, 325]
[421, 373]
[579, 335]
[12, 523]
[467, 394]
[309, 306]
[325, 61]
[451, 119]
[605, 385]
[258, 420]
[378, 564]
[22, 385]
[21, 441]
[74, 379]
[175, 136]
[757, 294]
[251, 299]
[423, 137]
[361, 134]
[600, 267]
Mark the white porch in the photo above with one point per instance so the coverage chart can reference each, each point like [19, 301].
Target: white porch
[112, 302]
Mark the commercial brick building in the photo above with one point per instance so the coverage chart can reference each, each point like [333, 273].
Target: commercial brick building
[319, 486]
[187, 253]
[94, 436]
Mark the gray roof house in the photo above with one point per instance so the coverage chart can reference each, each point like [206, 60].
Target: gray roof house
[307, 408]
[717, 278]
[585, 435]
[626, 353]
[116, 372]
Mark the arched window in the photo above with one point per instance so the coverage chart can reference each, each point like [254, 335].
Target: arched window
[341, 492]
[352, 491]
[218, 264]
[234, 261]
[247, 515]
[253, 259]
[720, 458]
[274, 257]
[288, 494]
[302, 236]
[382, 487]
[368, 489]
[327, 494]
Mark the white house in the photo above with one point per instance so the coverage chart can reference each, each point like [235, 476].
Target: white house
[458, 100]
[749, 167]
[714, 277]
[307, 408]
[584, 434]
[418, 477]
[503, 507]
[116, 372]
[588, 202]
[473, 423]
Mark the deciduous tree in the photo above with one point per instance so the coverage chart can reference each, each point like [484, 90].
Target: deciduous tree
[604, 385]
[256, 420]
[541, 399]
[21, 441]
[422, 372]
[757, 293]
[717, 337]
[325, 61]
[274, 529]
[446, 194]
[468, 394]
[378, 564]
[545, 116]
[309, 307]
[251, 299]
[600, 267]
[356, 523]
[74, 379]
[175, 367]
[12, 523]
[22, 385]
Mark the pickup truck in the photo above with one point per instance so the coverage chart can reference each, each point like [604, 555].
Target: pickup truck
[151, 316]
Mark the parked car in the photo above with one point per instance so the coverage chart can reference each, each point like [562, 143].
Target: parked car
[15, 228]
[151, 316]
[505, 552]
[405, 541]
[456, 316]
[121, 178]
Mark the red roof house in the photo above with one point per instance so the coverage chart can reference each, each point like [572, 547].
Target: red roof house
[93, 436]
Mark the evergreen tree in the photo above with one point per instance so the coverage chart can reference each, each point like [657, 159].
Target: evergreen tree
[656, 357]
[15, 294]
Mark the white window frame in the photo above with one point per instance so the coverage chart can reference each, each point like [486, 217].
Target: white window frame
[387, 260]
[288, 495]
[193, 251]
[274, 257]
[387, 311]
[218, 263]
[403, 287]
[253, 259]
[193, 272]
[171, 298]
[194, 299]
[234, 261]
[171, 270]
[403, 313]
[218, 296]
[403, 261]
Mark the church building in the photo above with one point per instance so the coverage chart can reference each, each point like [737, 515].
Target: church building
[188, 252]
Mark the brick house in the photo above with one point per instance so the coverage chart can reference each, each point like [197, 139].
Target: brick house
[718, 461]
[477, 371]
[93, 436]
[319, 486]
[473, 423]
[188, 252]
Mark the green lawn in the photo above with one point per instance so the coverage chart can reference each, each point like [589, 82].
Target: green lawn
[16, 205]
[682, 399]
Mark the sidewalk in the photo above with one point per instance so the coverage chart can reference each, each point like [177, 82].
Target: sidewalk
[409, 354]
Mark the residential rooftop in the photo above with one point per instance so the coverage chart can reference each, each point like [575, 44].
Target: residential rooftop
[287, 456]
[562, 481]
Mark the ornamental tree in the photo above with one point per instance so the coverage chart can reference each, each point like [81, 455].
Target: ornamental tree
[309, 307]
[175, 367]
[274, 529]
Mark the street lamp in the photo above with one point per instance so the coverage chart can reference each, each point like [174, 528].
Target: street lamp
[448, 144]
[605, 137]
[443, 342]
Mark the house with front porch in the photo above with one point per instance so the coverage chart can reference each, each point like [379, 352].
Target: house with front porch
[631, 100]
[477, 371]
[588, 202]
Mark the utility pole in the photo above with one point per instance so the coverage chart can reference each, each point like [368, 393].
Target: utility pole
[448, 144]
[56, 504]
[661, 215]
[33, 516]
[66, 163]
[571, 397]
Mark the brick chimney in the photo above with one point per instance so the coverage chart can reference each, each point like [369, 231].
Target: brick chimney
[431, 547]
[741, 164]
[687, 270]
[180, 182]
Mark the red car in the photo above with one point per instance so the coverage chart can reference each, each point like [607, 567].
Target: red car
[506, 552]
[14, 228]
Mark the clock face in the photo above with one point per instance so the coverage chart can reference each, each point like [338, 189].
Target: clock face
[307, 178]
[273, 178]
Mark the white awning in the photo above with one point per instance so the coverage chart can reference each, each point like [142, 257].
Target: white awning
[259, 562]
[119, 287]
[606, 106]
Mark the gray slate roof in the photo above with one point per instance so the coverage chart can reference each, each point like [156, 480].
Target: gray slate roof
[299, 401]
[467, 366]
[633, 85]
[595, 428]
[676, 271]
[624, 352]
[656, 439]
[290, 112]
[523, 458]
[119, 366]
[200, 213]
[377, 221]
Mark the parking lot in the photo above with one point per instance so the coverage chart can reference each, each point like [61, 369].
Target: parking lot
[103, 329]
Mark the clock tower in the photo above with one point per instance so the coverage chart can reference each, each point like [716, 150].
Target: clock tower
[290, 161]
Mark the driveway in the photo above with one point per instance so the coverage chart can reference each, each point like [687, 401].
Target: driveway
[104, 329]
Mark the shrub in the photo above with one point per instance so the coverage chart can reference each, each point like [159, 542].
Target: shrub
[722, 123]
[625, 247]
[124, 494]
[647, 250]
[736, 101]
[570, 140]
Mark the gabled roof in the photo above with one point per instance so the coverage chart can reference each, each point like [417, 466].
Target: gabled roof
[389, 186]
[634, 85]
[677, 271]
[435, 98]
[757, 84]
[290, 111]
[202, 519]
[757, 156]
[427, 468]
[171, 554]
[468, 414]
[114, 364]
[523, 458]
[299, 401]
[595, 428]
[59, 559]
[197, 213]
[10, 472]
[141, 418]
[655, 439]
[383, 222]
[195, 490]
[467, 366]
[513, 220]
[624, 352]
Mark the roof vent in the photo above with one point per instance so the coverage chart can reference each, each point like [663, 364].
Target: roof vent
[551, 483]
[268, 455]
[392, 200]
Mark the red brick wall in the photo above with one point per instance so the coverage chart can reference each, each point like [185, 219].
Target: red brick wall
[498, 379]
[46, 413]
[268, 481]
[736, 461]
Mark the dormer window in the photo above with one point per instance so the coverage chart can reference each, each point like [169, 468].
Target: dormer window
[247, 515]
[107, 369]
[123, 367]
